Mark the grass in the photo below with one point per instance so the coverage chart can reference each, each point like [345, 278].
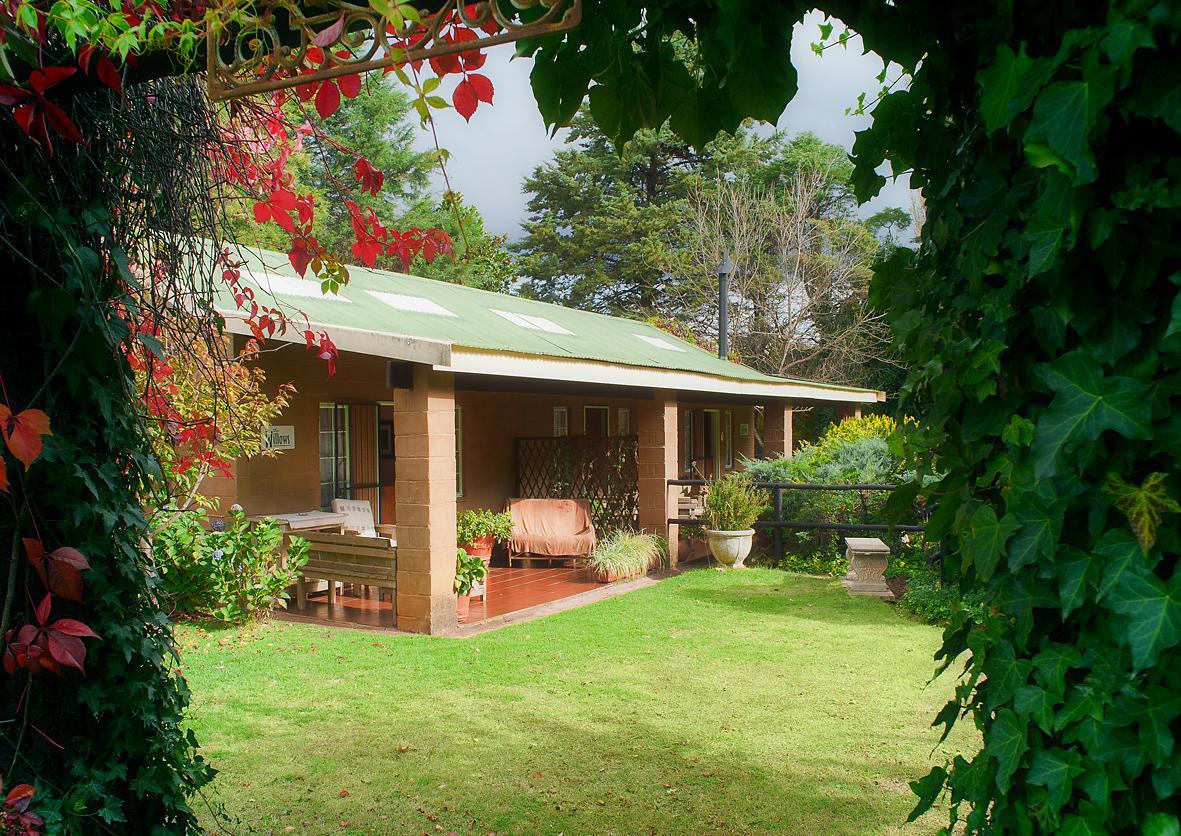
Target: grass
[739, 702]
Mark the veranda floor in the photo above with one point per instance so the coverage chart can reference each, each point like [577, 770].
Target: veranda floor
[509, 590]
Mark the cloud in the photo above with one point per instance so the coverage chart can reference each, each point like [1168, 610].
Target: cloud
[493, 154]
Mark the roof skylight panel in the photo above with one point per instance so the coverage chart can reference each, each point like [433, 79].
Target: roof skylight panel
[410, 304]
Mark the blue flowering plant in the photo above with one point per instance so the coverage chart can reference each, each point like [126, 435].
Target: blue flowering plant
[228, 569]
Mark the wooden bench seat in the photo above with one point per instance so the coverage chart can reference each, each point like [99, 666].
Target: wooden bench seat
[348, 558]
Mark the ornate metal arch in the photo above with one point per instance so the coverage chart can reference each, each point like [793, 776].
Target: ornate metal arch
[256, 55]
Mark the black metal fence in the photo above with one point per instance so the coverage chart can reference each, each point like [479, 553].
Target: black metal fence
[778, 524]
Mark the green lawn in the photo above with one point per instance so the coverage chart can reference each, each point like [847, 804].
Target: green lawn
[712, 702]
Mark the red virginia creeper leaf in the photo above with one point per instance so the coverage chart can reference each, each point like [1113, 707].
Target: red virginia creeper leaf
[329, 36]
[43, 79]
[67, 650]
[262, 213]
[62, 123]
[482, 86]
[350, 85]
[61, 572]
[18, 797]
[10, 96]
[327, 99]
[464, 99]
[42, 611]
[22, 433]
[3, 476]
[73, 627]
[108, 75]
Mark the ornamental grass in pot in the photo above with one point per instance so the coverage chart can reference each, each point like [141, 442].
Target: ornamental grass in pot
[732, 504]
[625, 555]
[469, 571]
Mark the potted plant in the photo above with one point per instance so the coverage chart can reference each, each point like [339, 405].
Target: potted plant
[732, 504]
[478, 530]
[469, 570]
[624, 555]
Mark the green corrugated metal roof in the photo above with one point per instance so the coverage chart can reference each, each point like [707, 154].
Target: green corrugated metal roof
[479, 319]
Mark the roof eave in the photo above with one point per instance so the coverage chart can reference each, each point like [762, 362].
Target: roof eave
[360, 341]
[534, 367]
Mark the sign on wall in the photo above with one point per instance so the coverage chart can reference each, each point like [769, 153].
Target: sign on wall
[279, 438]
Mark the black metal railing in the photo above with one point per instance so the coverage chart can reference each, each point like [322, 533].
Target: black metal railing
[778, 524]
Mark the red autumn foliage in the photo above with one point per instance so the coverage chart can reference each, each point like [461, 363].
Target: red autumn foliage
[47, 646]
[15, 815]
[22, 433]
[34, 113]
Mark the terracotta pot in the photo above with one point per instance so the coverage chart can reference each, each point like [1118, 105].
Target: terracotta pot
[481, 547]
[730, 548]
[463, 605]
[607, 576]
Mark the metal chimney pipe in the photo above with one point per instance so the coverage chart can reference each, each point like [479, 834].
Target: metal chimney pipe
[724, 271]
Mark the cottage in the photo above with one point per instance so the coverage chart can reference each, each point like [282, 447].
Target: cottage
[449, 397]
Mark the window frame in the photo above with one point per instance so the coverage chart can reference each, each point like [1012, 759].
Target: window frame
[564, 411]
[606, 413]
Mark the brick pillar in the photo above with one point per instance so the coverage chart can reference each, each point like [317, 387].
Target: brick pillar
[657, 428]
[424, 488]
[777, 435]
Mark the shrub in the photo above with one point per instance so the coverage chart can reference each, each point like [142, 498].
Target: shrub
[228, 571]
[624, 554]
[926, 600]
[733, 503]
[854, 451]
[473, 525]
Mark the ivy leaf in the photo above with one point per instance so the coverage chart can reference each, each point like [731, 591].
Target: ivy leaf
[984, 540]
[1035, 702]
[1122, 553]
[1162, 824]
[1051, 769]
[1071, 570]
[1062, 118]
[1007, 743]
[1144, 506]
[1010, 84]
[927, 789]
[1153, 615]
[1085, 405]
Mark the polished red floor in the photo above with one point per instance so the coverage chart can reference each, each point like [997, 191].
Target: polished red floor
[509, 590]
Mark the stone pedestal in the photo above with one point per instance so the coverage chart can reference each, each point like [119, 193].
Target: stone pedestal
[868, 557]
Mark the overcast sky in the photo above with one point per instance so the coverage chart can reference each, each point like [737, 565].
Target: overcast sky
[491, 156]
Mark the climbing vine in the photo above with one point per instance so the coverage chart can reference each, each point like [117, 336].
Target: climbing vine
[1041, 321]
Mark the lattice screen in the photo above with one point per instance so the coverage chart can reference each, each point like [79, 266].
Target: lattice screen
[604, 471]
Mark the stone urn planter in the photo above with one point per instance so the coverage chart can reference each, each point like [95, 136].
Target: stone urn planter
[730, 548]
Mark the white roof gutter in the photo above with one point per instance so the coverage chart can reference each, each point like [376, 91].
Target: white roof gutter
[532, 367]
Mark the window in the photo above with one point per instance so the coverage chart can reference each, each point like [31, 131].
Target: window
[459, 451]
[596, 421]
[561, 421]
[728, 439]
[334, 452]
[624, 426]
[687, 441]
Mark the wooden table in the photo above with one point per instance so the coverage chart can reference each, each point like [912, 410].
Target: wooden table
[309, 520]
